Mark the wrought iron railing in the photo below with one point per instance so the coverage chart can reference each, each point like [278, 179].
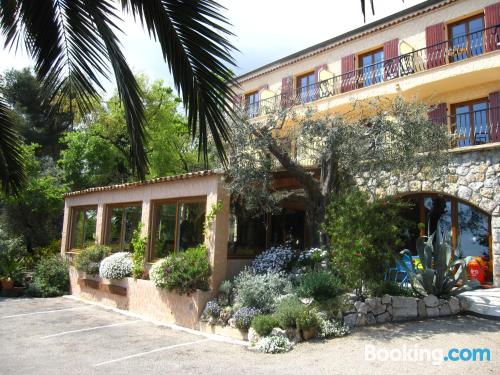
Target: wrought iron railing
[449, 51]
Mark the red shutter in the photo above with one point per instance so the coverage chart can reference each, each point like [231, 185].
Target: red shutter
[438, 114]
[391, 52]
[436, 48]
[494, 116]
[348, 73]
[492, 24]
[286, 91]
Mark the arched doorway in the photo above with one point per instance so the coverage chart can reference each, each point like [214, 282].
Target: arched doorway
[468, 227]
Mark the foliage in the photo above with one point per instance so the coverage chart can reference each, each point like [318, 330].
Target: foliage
[210, 217]
[264, 324]
[275, 259]
[260, 290]
[89, 259]
[364, 236]
[319, 285]
[211, 312]
[288, 311]
[139, 244]
[13, 257]
[307, 319]
[441, 271]
[274, 345]
[330, 328]
[378, 289]
[51, 278]
[243, 317]
[312, 258]
[116, 266]
[184, 272]
[225, 293]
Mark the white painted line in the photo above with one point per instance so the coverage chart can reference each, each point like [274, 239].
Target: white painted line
[150, 352]
[173, 326]
[90, 329]
[43, 312]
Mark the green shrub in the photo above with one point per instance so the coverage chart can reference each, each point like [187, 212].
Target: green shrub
[288, 311]
[264, 324]
[307, 319]
[51, 278]
[225, 293]
[139, 250]
[390, 287]
[260, 290]
[88, 259]
[320, 285]
[184, 272]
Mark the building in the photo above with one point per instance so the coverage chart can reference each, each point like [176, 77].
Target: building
[444, 52]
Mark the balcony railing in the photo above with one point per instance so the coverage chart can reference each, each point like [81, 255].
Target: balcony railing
[449, 51]
[475, 127]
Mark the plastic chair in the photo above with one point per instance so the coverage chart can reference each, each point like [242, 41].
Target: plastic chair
[399, 274]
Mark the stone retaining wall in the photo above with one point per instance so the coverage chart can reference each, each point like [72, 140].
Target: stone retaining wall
[396, 309]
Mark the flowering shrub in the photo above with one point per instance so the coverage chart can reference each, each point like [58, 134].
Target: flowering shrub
[330, 328]
[243, 317]
[260, 291]
[211, 312]
[274, 344]
[184, 272]
[88, 259]
[312, 257]
[275, 259]
[116, 266]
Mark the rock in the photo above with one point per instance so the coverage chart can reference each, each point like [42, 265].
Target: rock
[375, 305]
[431, 301]
[278, 332]
[432, 312]
[361, 307]
[444, 309]
[307, 301]
[253, 336]
[389, 309]
[386, 299]
[454, 305]
[232, 323]
[383, 318]
[370, 318]
[361, 320]
[350, 320]
[293, 335]
[422, 313]
[404, 308]
[464, 304]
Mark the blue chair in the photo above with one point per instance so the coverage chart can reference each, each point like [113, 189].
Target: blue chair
[399, 274]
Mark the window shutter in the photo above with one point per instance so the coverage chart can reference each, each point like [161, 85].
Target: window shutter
[348, 67]
[436, 48]
[391, 52]
[492, 19]
[494, 116]
[286, 91]
[438, 114]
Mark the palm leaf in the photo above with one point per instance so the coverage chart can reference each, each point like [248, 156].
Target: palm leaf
[12, 175]
[363, 8]
[195, 47]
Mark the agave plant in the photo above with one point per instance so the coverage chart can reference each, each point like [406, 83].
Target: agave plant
[440, 271]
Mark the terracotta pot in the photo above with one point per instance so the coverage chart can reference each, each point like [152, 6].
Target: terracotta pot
[7, 284]
[308, 334]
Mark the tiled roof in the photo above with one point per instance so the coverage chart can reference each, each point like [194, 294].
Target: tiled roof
[128, 185]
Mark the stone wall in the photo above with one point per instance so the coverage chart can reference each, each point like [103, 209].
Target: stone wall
[396, 309]
[472, 176]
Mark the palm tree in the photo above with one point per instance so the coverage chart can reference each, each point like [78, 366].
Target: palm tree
[74, 46]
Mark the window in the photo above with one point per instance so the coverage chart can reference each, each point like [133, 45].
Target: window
[466, 38]
[372, 67]
[122, 221]
[83, 227]
[252, 104]
[306, 88]
[177, 226]
[247, 233]
[470, 122]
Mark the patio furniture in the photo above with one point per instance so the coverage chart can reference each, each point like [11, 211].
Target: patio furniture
[399, 274]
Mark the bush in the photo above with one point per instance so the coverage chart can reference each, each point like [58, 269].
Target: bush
[312, 257]
[184, 272]
[274, 345]
[330, 328]
[139, 250]
[243, 317]
[211, 312]
[264, 324]
[225, 293]
[88, 259]
[307, 320]
[260, 291]
[276, 259]
[320, 285]
[50, 279]
[390, 287]
[116, 266]
[288, 311]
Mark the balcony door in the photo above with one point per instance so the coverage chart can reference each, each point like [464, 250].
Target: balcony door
[372, 67]
[466, 38]
[470, 122]
[306, 87]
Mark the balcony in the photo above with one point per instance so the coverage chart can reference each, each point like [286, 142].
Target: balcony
[444, 53]
[475, 127]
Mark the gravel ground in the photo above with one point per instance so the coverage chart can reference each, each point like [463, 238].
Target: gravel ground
[63, 336]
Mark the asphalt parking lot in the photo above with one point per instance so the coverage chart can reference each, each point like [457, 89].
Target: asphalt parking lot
[65, 336]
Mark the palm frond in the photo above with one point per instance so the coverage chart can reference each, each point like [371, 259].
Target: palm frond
[363, 8]
[192, 36]
[12, 175]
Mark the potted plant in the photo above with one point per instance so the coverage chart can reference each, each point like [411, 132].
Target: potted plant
[11, 268]
[307, 322]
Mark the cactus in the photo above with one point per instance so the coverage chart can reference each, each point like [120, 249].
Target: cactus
[441, 270]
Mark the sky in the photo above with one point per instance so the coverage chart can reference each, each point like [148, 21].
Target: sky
[265, 30]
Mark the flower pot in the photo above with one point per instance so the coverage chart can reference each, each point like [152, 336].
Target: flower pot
[7, 284]
[308, 334]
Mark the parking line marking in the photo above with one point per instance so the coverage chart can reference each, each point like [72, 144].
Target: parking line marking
[90, 329]
[151, 351]
[43, 312]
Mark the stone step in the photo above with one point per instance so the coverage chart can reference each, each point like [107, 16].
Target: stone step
[482, 301]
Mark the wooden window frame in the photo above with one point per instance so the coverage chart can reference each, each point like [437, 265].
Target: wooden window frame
[465, 21]
[71, 224]
[107, 228]
[153, 224]
[361, 81]
[298, 88]
[470, 104]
